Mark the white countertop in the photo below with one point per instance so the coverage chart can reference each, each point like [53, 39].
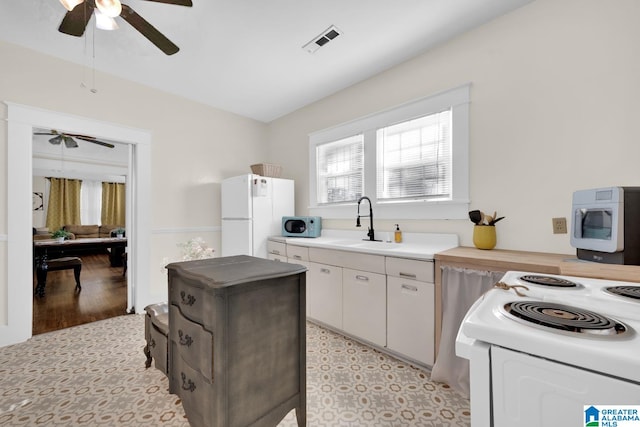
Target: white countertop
[414, 245]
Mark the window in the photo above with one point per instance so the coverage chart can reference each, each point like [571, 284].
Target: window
[412, 161]
[340, 170]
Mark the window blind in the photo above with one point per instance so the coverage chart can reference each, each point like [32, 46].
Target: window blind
[414, 159]
[340, 170]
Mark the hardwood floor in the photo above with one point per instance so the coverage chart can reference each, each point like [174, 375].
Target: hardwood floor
[103, 295]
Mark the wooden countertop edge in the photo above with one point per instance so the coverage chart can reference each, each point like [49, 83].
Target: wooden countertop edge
[564, 264]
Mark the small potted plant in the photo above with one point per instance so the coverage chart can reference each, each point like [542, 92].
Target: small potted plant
[119, 232]
[61, 235]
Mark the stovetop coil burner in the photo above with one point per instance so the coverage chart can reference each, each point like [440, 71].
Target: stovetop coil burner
[549, 281]
[564, 318]
[625, 291]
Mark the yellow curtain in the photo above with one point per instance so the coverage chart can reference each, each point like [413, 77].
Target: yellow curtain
[64, 203]
[113, 203]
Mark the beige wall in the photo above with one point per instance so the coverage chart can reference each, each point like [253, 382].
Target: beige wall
[193, 146]
[554, 108]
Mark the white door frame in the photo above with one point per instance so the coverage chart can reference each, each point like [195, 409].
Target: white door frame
[21, 122]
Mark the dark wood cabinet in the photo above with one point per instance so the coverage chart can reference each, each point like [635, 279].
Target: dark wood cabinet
[237, 350]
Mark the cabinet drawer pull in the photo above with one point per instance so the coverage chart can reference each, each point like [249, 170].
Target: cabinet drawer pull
[187, 299]
[275, 251]
[185, 339]
[408, 275]
[297, 257]
[363, 278]
[325, 270]
[410, 288]
[187, 385]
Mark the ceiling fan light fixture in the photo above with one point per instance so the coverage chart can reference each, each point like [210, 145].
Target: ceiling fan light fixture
[70, 4]
[105, 22]
[111, 8]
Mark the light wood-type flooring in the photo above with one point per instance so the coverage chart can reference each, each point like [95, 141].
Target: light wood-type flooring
[103, 295]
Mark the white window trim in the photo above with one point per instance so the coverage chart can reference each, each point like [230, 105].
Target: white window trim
[458, 100]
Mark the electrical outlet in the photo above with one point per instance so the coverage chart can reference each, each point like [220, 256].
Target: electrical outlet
[559, 225]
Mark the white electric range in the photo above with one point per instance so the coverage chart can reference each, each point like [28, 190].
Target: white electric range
[541, 347]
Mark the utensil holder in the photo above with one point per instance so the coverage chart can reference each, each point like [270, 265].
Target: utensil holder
[484, 236]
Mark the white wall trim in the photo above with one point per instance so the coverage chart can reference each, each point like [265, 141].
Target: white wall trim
[21, 122]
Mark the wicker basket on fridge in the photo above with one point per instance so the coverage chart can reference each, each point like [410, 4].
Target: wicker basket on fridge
[267, 169]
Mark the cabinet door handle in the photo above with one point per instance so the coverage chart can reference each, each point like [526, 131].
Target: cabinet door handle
[275, 251]
[408, 275]
[297, 257]
[325, 270]
[185, 339]
[362, 278]
[410, 288]
[187, 384]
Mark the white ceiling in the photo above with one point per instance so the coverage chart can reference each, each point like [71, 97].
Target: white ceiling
[246, 56]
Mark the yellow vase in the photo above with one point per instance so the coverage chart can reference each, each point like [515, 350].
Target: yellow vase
[484, 236]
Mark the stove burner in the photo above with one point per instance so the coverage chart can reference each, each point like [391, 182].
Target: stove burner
[625, 291]
[549, 281]
[564, 318]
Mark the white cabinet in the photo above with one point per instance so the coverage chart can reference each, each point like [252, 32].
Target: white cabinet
[276, 248]
[297, 253]
[324, 294]
[364, 312]
[410, 318]
[411, 309]
[275, 257]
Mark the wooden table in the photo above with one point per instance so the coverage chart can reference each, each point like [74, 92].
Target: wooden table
[49, 249]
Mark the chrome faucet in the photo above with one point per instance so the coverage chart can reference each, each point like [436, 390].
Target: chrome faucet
[371, 232]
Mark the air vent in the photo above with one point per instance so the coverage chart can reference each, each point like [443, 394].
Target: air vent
[327, 35]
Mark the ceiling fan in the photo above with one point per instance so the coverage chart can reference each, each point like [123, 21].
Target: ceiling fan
[80, 11]
[69, 140]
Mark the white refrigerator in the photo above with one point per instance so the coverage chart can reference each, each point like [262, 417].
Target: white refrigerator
[252, 210]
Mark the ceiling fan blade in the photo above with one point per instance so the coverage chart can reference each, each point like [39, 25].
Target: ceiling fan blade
[56, 140]
[148, 30]
[75, 22]
[187, 3]
[69, 142]
[93, 140]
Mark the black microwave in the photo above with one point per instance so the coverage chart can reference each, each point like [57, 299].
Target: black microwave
[606, 225]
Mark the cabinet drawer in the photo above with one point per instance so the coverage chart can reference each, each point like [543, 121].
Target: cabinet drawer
[300, 253]
[410, 269]
[194, 391]
[364, 306]
[411, 318]
[274, 257]
[193, 302]
[193, 343]
[277, 248]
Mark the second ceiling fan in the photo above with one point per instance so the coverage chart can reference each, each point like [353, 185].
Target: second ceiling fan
[69, 141]
[75, 21]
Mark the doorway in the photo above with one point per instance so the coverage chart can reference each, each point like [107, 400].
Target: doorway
[22, 120]
[91, 163]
